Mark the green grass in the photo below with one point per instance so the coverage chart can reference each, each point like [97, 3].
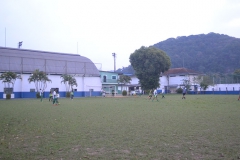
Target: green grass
[200, 127]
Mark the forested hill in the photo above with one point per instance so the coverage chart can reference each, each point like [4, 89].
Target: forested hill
[207, 53]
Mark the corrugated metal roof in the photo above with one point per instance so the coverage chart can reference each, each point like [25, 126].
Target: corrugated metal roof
[26, 61]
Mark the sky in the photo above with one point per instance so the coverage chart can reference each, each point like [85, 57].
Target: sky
[97, 28]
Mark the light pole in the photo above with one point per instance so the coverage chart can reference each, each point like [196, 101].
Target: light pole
[114, 57]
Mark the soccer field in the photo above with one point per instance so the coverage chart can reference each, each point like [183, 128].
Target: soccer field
[198, 127]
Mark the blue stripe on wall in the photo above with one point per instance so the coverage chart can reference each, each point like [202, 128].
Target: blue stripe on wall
[46, 94]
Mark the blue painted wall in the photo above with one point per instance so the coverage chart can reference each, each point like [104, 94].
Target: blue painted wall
[46, 94]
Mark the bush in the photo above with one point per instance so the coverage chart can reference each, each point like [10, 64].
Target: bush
[124, 93]
[8, 96]
[68, 94]
[38, 95]
[179, 90]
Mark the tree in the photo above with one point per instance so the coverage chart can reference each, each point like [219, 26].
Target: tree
[40, 79]
[69, 81]
[186, 83]
[9, 78]
[148, 63]
[236, 76]
[205, 82]
[124, 79]
[126, 70]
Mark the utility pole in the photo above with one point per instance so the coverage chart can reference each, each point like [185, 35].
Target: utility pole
[77, 47]
[114, 57]
[5, 36]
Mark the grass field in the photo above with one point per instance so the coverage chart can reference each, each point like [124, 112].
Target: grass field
[200, 127]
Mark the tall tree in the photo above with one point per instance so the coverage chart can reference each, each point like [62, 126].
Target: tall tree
[69, 81]
[148, 63]
[205, 81]
[124, 79]
[236, 76]
[9, 78]
[40, 79]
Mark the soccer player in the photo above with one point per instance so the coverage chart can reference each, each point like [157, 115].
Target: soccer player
[54, 97]
[41, 94]
[155, 95]
[72, 95]
[184, 92]
[150, 94]
[50, 97]
[163, 91]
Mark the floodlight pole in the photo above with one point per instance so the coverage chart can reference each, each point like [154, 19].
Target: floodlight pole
[5, 36]
[114, 57]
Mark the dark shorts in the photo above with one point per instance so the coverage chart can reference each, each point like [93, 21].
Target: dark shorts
[184, 94]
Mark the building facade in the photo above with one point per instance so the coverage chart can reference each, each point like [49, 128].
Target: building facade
[175, 78]
[109, 82]
[25, 62]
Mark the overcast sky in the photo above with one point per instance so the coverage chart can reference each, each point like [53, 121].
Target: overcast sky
[97, 28]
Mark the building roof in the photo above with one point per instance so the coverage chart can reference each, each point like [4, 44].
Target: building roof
[181, 71]
[111, 72]
[26, 61]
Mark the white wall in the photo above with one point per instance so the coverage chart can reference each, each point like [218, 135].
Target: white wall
[223, 87]
[134, 80]
[84, 84]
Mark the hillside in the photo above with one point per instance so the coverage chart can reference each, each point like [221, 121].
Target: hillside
[207, 53]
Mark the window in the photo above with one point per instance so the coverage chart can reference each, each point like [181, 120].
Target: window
[181, 75]
[114, 77]
[8, 90]
[32, 90]
[104, 78]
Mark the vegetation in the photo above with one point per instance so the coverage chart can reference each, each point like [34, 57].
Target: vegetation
[236, 75]
[40, 79]
[38, 95]
[126, 70]
[210, 53]
[124, 92]
[68, 94]
[205, 82]
[200, 127]
[9, 78]
[124, 79]
[69, 81]
[148, 63]
[179, 90]
[8, 96]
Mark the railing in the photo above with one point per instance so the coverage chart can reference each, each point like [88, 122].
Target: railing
[109, 81]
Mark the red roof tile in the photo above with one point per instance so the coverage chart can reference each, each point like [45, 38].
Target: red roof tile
[173, 71]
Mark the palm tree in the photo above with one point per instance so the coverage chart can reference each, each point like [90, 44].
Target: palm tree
[69, 81]
[40, 79]
[9, 78]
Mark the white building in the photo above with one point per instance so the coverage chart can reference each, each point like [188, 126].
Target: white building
[175, 77]
[24, 62]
